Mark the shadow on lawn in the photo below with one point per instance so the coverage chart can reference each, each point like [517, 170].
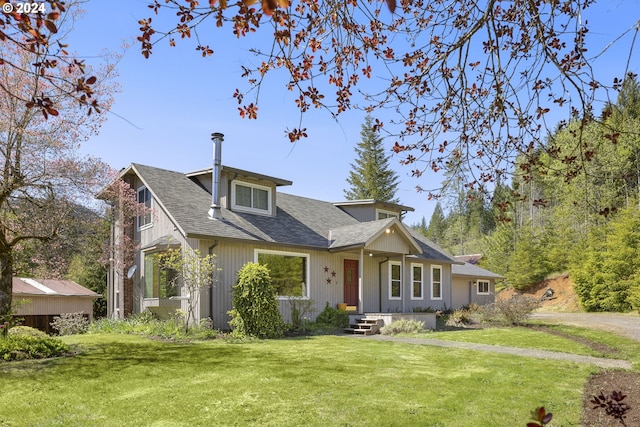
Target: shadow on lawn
[94, 359]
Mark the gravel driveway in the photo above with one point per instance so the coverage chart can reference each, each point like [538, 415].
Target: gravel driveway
[623, 324]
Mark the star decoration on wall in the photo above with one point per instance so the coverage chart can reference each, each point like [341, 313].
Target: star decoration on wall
[331, 276]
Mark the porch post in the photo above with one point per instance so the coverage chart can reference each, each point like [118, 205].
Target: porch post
[403, 281]
[360, 290]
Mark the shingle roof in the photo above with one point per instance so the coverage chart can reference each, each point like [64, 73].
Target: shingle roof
[357, 234]
[430, 250]
[299, 221]
[468, 269]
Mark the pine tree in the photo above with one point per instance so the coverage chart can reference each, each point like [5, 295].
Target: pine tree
[437, 226]
[371, 177]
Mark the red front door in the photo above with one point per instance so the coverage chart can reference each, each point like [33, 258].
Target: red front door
[351, 282]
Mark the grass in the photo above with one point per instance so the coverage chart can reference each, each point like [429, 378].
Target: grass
[124, 380]
[516, 337]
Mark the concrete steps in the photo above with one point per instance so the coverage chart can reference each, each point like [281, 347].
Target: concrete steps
[365, 326]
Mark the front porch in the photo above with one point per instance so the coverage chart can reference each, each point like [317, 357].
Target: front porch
[370, 323]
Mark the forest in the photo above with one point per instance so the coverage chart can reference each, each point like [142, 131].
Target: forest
[572, 206]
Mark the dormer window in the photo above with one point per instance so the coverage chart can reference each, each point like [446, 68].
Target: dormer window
[382, 214]
[250, 198]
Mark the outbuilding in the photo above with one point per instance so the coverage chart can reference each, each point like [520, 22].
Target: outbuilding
[38, 301]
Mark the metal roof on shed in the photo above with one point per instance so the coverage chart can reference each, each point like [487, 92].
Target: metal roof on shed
[50, 287]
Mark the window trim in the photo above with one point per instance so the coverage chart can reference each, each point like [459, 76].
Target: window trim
[413, 282]
[288, 253]
[478, 287]
[388, 213]
[143, 188]
[434, 267]
[391, 264]
[251, 209]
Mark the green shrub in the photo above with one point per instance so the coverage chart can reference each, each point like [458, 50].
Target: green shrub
[333, 317]
[403, 326]
[146, 323]
[70, 323]
[20, 346]
[634, 297]
[255, 307]
[517, 309]
[27, 331]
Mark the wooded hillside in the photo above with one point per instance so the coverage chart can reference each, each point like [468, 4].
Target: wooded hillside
[574, 207]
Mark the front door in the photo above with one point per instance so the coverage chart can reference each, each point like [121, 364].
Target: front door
[351, 282]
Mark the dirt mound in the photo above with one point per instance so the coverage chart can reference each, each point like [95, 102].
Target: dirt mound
[564, 297]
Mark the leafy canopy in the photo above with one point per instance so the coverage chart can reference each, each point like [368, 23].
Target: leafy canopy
[456, 80]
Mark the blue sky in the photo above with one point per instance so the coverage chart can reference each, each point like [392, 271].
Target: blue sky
[170, 103]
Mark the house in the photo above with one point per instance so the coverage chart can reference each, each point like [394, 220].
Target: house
[357, 253]
[471, 283]
[39, 301]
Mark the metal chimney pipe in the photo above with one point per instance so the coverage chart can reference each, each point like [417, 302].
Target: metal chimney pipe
[215, 211]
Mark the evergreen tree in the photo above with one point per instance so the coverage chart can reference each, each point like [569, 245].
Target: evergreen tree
[371, 177]
[437, 226]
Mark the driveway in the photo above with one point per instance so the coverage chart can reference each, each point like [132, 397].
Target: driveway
[623, 324]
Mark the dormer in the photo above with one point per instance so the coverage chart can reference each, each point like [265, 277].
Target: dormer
[241, 190]
[372, 210]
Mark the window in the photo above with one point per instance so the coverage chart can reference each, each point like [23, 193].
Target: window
[251, 198]
[289, 272]
[159, 282]
[395, 280]
[436, 282]
[386, 214]
[416, 281]
[144, 198]
[483, 287]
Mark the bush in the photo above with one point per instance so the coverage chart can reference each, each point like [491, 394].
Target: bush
[70, 323]
[300, 309]
[145, 323]
[403, 326]
[460, 318]
[27, 344]
[255, 308]
[333, 317]
[27, 331]
[517, 309]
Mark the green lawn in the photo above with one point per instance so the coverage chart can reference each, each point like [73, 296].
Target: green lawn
[123, 380]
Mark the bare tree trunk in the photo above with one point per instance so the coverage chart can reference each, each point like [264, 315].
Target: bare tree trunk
[6, 280]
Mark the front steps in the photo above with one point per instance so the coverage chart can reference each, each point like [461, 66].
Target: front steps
[365, 326]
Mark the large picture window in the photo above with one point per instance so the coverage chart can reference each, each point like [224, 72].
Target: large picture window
[144, 198]
[436, 282]
[251, 197]
[289, 272]
[159, 282]
[416, 281]
[395, 280]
